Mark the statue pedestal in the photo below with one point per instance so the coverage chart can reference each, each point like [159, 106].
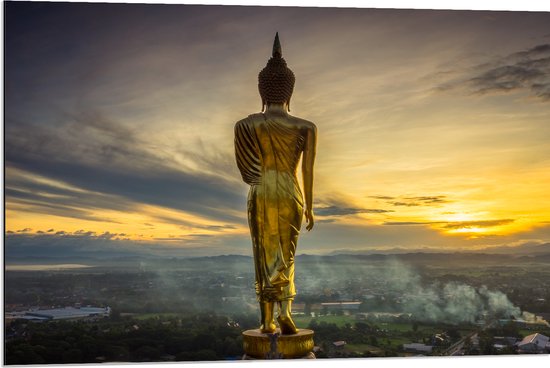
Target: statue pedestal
[258, 345]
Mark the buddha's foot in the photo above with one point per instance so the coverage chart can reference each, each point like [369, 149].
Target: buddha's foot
[287, 325]
[269, 329]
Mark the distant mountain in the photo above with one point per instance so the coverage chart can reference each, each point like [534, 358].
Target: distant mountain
[527, 248]
[518, 250]
[395, 250]
[422, 258]
[527, 252]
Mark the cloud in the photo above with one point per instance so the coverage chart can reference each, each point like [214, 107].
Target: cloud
[407, 223]
[65, 244]
[432, 199]
[84, 244]
[507, 78]
[217, 227]
[325, 221]
[109, 168]
[74, 206]
[454, 225]
[99, 113]
[185, 238]
[413, 201]
[345, 211]
[527, 70]
[476, 224]
[407, 204]
[382, 197]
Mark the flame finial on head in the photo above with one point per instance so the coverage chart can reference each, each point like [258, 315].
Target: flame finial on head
[277, 51]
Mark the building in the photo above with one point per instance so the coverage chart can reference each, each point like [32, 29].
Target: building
[299, 309]
[534, 343]
[339, 344]
[347, 307]
[440, 339]
[382, 316]
[417, 348]
[502, 342]
[68, 313]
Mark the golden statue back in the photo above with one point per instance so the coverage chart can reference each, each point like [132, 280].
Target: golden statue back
[268, 148]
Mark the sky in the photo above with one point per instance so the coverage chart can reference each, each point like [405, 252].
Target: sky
[432, 126]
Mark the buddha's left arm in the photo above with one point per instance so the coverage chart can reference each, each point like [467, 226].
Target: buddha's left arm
[308, 161]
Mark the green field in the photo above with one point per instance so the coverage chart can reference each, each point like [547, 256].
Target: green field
[362, 348]
[340, 321]
[401, 327]
[397, 342]
[144, 316]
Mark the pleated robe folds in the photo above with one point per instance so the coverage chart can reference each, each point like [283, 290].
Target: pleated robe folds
[267, 154]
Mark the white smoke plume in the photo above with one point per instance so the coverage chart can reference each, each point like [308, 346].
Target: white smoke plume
[403, 289]
[452, 302]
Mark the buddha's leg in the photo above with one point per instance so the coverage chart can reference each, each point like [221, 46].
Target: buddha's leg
[266, 311]
[284, 317]
[285, 320]
[288, 241]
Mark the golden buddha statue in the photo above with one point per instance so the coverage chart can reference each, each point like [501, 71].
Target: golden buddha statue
[268, 147]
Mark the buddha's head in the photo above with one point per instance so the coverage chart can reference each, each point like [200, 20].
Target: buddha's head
[276, 80]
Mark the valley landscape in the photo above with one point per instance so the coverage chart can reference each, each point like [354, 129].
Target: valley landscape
[360, 305]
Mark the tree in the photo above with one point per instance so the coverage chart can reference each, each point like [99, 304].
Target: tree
[486, 344]
[72, 356]
[373, 341]
[510, 329]
[204, 341]
[202, 355]
[146, 354]
[453, 333]
[23, 354]
[467, 347]
[307, 309]
[116, 353]
[231, 348]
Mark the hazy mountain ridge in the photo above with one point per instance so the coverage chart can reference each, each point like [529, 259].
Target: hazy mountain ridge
[526, 252]
[526, 248]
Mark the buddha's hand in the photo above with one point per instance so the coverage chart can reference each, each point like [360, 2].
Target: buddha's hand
[309, 219]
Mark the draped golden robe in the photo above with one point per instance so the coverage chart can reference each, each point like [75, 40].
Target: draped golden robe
[267, 154]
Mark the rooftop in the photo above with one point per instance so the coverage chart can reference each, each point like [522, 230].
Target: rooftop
[66, 313]
[536, 339]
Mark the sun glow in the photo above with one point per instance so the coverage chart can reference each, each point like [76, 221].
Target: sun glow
[459, 217]
[468, 230]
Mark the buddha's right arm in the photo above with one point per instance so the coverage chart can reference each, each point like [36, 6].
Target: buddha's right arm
[246, 153]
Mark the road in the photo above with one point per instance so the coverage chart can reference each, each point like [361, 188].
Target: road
[456, 348]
